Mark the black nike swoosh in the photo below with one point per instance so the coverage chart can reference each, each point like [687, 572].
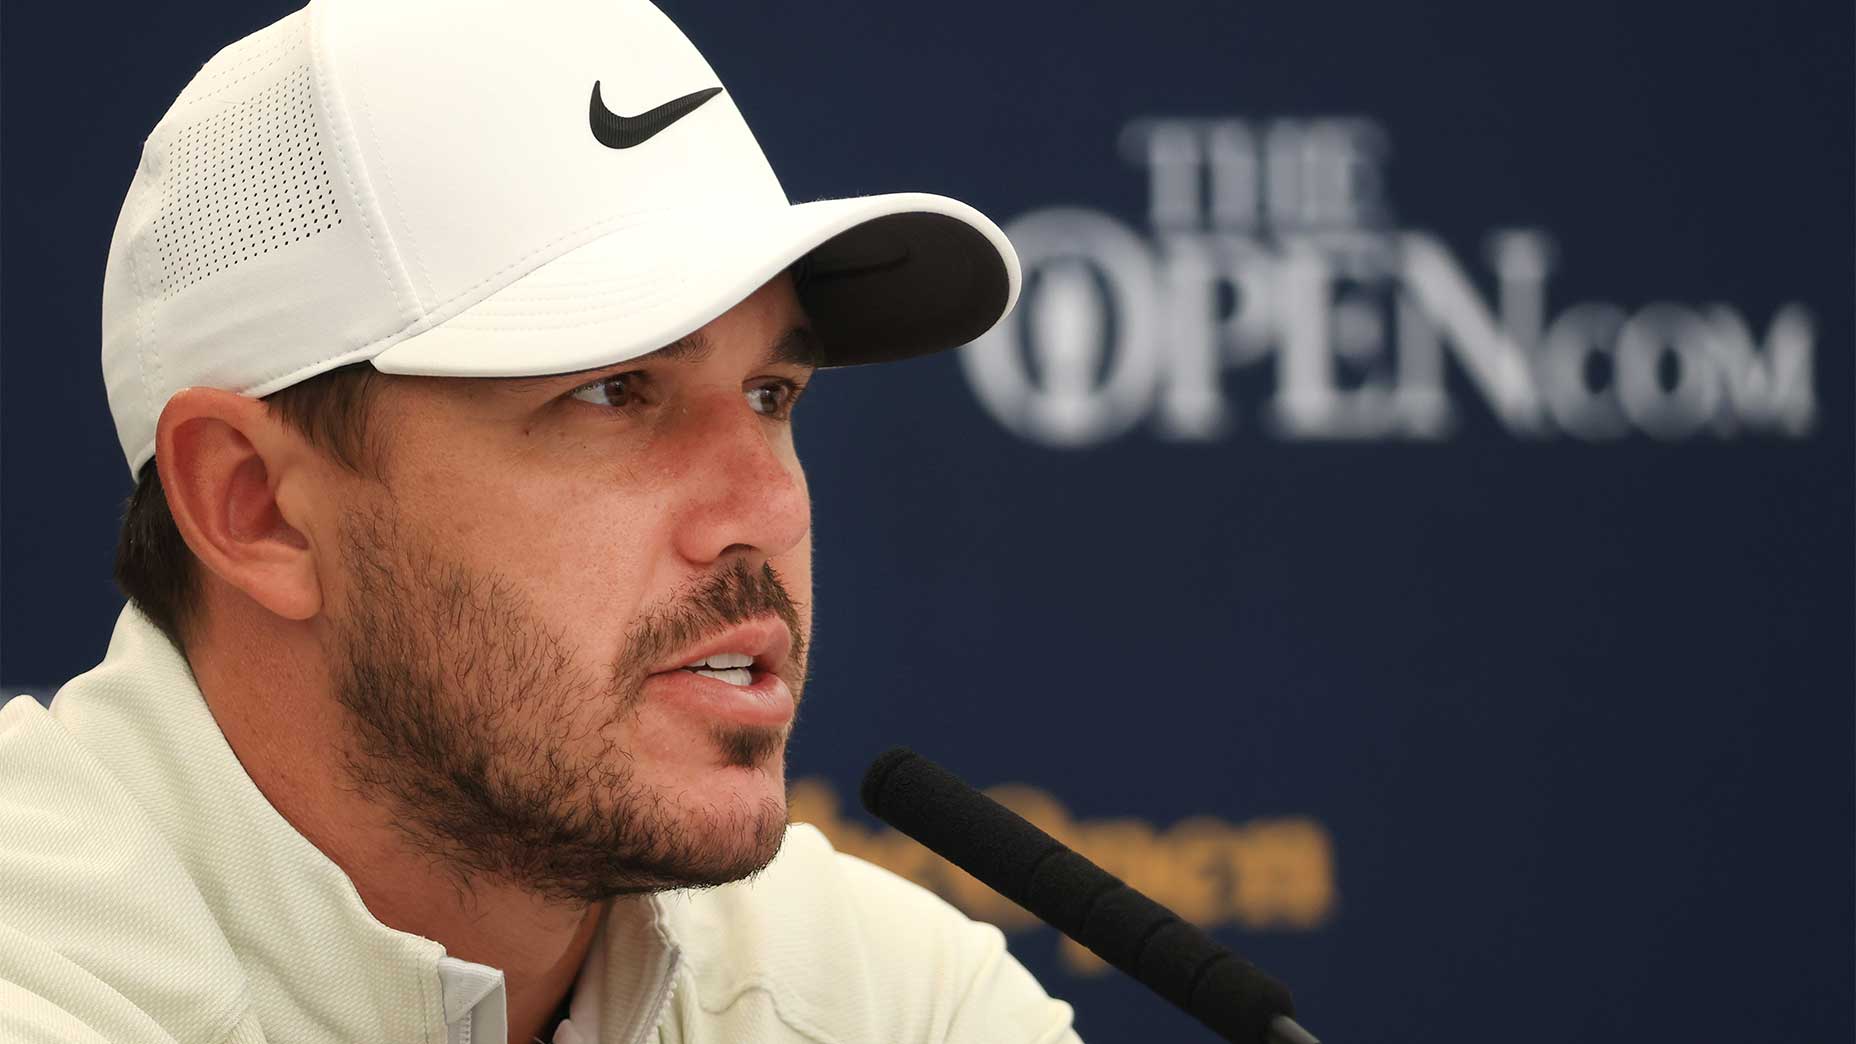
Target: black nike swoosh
[622, 132]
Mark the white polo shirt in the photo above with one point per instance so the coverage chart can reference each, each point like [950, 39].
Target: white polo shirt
[153, 896]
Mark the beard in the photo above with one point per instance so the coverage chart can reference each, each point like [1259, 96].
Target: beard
[469, 723]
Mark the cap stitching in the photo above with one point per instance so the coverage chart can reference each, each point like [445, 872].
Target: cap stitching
[143, 336]
[328, 94]
[568, 284]
[515, 310]
[290, 377]
[554, 328]
[276, 54]
[386, 173]
[551, 327]
[574, 293]
[563, 285]
[605, 224]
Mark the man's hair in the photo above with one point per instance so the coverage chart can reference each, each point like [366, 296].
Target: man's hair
[154, 566]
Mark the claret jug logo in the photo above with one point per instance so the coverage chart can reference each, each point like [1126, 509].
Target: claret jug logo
[1270, 259]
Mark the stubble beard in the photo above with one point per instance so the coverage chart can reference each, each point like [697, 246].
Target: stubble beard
[468, 717]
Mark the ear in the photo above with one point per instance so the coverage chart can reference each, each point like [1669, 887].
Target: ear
[222, 458]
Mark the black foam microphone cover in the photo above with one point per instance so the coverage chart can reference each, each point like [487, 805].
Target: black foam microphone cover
[1087, 903]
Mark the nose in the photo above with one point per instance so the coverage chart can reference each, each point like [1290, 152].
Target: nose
[742, 490]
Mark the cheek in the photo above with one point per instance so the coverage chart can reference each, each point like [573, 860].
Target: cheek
[795, 564]
[591, 569]
[580, 555]
[795, 570]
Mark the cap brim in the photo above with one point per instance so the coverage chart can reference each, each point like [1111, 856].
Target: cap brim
[885, 277]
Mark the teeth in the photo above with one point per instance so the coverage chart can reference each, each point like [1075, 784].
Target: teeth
[733, 675]
[723, 661]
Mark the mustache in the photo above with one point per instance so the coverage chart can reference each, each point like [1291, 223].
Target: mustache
[718, 601]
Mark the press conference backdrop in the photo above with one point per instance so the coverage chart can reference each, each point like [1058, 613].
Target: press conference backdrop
[1406, 525]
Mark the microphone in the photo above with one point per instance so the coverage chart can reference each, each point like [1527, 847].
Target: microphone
[1170, 956]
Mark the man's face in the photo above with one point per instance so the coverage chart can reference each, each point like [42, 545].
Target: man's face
[513, 602]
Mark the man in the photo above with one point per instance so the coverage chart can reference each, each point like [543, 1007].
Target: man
[455, 348]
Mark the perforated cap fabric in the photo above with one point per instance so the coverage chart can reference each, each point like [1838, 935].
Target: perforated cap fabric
[249, 180]
[476, 188]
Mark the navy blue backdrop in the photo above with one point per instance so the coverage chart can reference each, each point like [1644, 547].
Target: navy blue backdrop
[1407, 524]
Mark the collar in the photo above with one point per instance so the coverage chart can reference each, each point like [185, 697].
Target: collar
[312, 954]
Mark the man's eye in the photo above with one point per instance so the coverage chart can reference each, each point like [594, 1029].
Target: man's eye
[773, 398]
[618, 391]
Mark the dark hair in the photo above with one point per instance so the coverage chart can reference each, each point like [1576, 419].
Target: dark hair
[154, 566]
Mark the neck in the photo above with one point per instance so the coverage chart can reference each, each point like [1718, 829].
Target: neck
[270, 702]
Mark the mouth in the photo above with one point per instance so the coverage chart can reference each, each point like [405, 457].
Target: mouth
[739, 655]
[733, 668]
[735, 676]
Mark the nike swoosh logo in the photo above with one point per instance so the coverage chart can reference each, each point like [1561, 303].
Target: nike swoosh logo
[623, 132]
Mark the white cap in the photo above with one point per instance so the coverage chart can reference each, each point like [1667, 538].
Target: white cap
[484, 189]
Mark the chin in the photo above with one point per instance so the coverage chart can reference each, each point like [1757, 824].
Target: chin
[734, 828]
[733, 794]
[748, 771]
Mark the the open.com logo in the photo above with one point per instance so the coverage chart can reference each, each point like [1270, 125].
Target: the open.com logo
[1270, 250]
